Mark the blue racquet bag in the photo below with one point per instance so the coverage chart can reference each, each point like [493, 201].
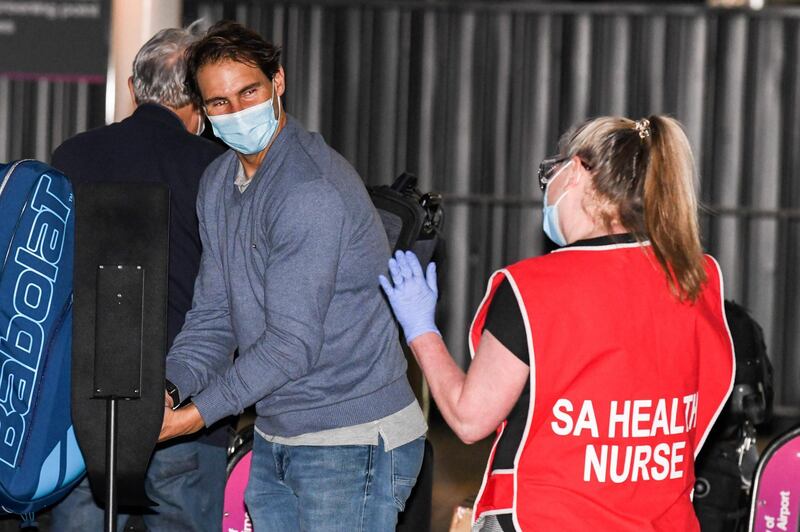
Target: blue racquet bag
[39, 457]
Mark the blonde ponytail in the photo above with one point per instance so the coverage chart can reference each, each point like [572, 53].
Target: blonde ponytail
[643, 171]
[670, 208]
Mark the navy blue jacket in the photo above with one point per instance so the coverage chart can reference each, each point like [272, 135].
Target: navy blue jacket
[152, 145]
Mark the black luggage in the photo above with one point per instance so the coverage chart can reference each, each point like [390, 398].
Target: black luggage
[726, 464]
[412, 220]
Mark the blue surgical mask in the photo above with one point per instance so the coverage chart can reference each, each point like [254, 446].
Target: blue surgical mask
[248, 131]
[550, 212]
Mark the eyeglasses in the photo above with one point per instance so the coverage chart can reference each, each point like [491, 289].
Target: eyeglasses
[549, 166]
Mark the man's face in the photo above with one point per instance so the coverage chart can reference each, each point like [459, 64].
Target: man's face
[229, 86]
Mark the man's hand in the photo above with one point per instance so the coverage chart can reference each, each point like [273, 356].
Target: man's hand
[180, 422]
[168, 402]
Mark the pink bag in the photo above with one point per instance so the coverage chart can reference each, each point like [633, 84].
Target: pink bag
[776, 489]
[235, 517]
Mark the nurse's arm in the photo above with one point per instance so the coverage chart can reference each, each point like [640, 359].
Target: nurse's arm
[473, 404]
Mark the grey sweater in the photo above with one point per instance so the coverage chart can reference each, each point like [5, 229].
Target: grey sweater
[289, 276]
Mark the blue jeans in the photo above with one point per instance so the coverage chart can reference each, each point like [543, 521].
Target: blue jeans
[186, 479]
[346, 488]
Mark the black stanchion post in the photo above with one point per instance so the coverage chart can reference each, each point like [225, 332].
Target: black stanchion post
[111, 466]
[119, 335]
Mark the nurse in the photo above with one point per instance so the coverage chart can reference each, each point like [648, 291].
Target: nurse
[600, 366]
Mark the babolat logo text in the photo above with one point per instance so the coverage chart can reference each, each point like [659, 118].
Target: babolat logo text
[30, 273]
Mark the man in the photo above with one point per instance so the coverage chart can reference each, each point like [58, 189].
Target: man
[158, 143]
[292, 249]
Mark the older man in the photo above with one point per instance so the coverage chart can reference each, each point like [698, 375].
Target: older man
[158, 143]
[292, 249]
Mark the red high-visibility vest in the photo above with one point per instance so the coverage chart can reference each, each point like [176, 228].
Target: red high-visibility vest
[625, 382]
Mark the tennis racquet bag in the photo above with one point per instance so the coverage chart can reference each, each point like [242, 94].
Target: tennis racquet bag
[39, 456]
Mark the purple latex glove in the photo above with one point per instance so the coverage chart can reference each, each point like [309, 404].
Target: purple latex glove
[412, 294]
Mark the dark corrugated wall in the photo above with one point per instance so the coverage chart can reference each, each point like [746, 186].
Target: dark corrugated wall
[36, 116]
[471, 96]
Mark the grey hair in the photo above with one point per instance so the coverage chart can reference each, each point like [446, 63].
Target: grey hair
[159, 68]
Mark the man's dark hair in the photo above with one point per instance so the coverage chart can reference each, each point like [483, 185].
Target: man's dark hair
[227, 40]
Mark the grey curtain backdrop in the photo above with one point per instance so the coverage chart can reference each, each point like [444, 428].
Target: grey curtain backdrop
[36, 116]
[471, 95]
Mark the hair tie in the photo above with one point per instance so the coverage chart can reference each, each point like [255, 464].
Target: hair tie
[642, 127]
